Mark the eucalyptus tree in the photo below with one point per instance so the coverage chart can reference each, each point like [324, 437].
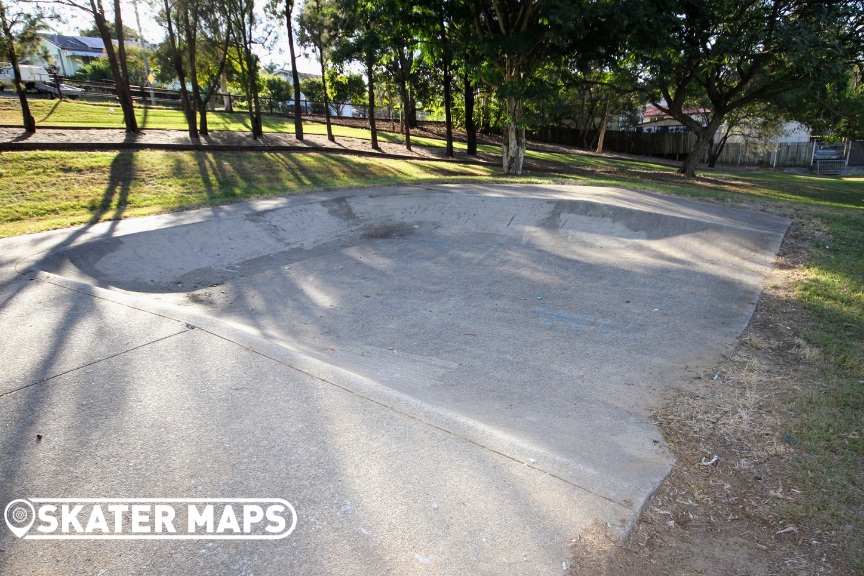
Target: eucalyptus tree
[515, 38]
[435, 19]
[731, 54]
[210, 55]
[116, 56]
[199, 35]
[285, 9]
[245, 35]
[834, 107]
[173, 17]
[361, 40]
[318, 21]
[399, 23]
[20, 27]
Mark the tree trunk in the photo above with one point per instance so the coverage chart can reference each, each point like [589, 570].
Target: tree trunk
[470, 127]
[448, 80]
[714, 151]
[295, 77]
[403, 95]
[27, 116]
[514, 138]
[703, 139]
[601, 134]
[122, 88]
[192, 49]
[177, 59]
[370, 76]
[326, 99]
[129, 107]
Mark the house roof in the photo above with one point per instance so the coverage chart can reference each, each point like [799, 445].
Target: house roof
[80, 45]
[652, 111]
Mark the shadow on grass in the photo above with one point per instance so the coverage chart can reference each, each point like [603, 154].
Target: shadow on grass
[50, 112]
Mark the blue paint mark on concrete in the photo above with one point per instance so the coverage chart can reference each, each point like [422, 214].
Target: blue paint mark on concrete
[577, 322]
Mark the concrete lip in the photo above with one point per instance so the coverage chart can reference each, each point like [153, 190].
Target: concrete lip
[540, 324]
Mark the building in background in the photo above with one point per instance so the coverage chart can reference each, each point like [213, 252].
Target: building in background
[68, 53]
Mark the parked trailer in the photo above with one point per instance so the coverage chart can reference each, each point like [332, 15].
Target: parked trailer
[36, 78]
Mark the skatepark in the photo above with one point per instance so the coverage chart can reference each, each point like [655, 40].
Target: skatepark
[444, 379]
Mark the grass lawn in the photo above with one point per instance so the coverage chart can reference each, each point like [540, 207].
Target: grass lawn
[92, 115]
[45, 190]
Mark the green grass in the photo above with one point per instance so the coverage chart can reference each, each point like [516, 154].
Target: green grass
[831, 423]
[91, 115]
[45, 190]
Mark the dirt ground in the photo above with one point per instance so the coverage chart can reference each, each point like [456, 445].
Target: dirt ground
[723, 510]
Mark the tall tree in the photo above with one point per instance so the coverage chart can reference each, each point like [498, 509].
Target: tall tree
[361, 41]
[20, 34]
[173, 21]
[733, 53]
[244, 26]
[438, 48]
[318, 21]
[516, 36]
[285, 9]
[116, 58]
[400, 20]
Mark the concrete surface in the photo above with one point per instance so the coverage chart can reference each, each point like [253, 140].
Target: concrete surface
[440, 379]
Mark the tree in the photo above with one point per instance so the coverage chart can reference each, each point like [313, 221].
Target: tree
[244, 26]
[345, 88]
[515, 37]
[317, 21]
[99, 70]
[116, 58]
[20, 34]
[285, 9]
[128, 33]
[361, 41]
[731, 54]
[398, 28]
[199, 34]
[313, 89]
[834, 110]
[276, 87]
[436, 27]
[173, 20]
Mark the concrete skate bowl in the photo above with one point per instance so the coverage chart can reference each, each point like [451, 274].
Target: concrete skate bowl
[541, 322]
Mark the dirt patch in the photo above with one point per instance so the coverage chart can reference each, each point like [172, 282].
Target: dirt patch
[734, 500]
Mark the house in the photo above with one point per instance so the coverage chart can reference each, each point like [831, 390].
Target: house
[69, 53]
[656, 120]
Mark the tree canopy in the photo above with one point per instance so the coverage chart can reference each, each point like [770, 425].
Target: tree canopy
[507, 65]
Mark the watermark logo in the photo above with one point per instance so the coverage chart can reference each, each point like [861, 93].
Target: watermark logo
[150, 518]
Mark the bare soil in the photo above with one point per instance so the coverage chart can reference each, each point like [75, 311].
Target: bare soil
[729, 505]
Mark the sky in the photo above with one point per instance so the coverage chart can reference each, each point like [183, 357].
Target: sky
[75, 20]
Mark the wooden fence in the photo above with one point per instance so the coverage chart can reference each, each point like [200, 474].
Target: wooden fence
[785, 154]
[677, 145]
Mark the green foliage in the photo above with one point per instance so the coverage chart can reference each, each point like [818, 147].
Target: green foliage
[129, 34]
[345, 88]
[96, 71]
[834, 110]
[313, 91]
[275, 87]
[99, 70]
[25, 23]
